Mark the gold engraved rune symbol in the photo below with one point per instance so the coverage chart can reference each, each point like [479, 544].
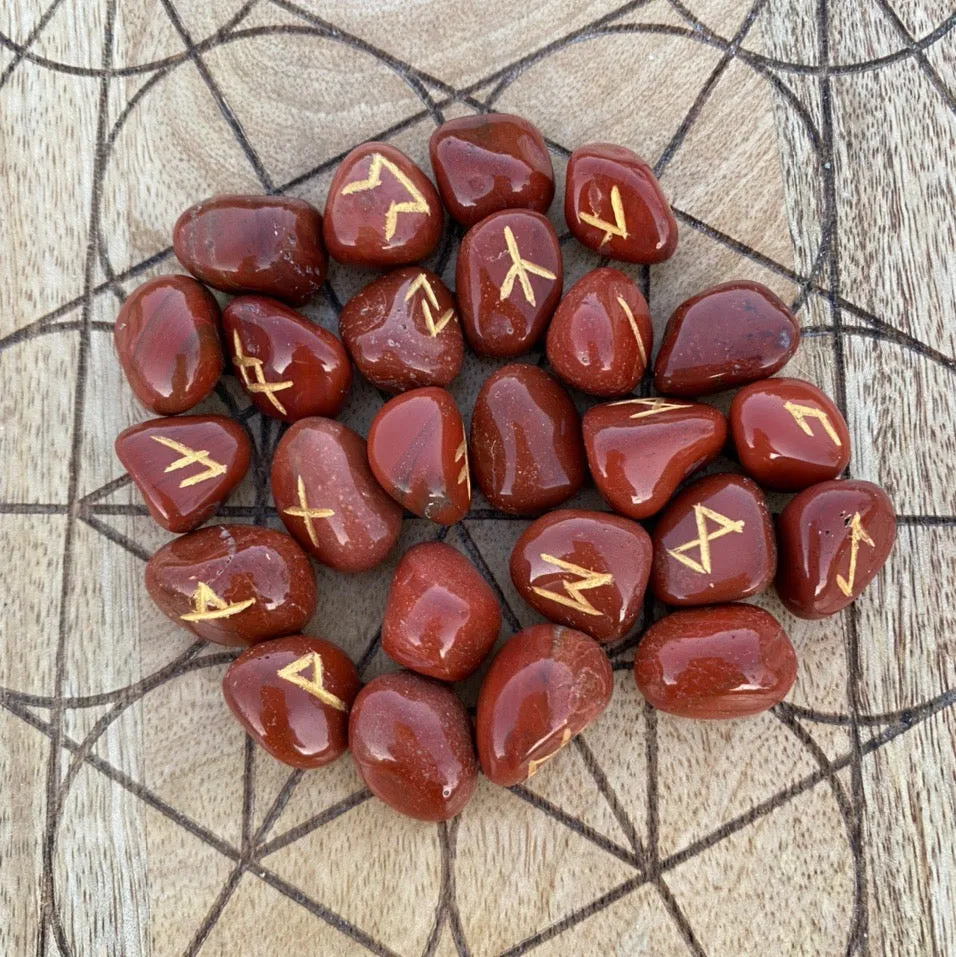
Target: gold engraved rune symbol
[533, 766]
[588, 580]
[429, 302]
[416, 204]
[704, 538]
[801, 413]
[622, 302]
[295, 674]
[191, 457]
[308, 514]
[651, 406]
[207, 605]
[519, 270]
[465, 474]
[857, 534]
[617, 228]
[245, 363]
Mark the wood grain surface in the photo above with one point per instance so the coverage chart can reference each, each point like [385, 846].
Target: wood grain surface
[806, 144]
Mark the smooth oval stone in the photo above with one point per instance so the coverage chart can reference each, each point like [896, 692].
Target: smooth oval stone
[724, 337]
[292, 695]
[587, 570]
[167, 339]
[833, 538]
[600, 336]
[328, 498]
[525, 445]
[508, 281]
[489, 162]
[441, 617]
[714, 543]
[614, 205]
[412, 745]
[266, 244]
[546, 685]
[728, 661]
[640, 450]
[419, 454]
[289, 367]
[381, 210]
[233, 584]
[788, 434]
[402, 331]
[186, 467]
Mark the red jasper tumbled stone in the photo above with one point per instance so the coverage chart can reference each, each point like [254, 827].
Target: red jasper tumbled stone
[833, 538]
[293, 695]
[290, 367]
[726, 661]
[381, 210]
[489, 162]
[614, 205]
[441, 617]
[587, 570]
[412, 746]
[233, 584]
[508, 281]
[724, 337]
[262, 244]
[788, 434]
[546, 685]
[167, 340]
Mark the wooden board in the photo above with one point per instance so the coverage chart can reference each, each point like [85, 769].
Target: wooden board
[806, 144]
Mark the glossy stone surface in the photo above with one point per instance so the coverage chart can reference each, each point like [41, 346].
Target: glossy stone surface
[441, 617]
[402, 331]
[293, 695]
[508, 281]
[587, 570]
[724, 337]
[525, 445]
[412, 745]
[262, 244]
[714, 543]
[381, 210]
[233, 584]
[640, 450]
[833, 538]
[167, 340]
[289, 367]
[600, 336]
[614, 205]
[489, 162]
[418, 453]
[546, 685]
[727, 661]
[788, 434]
[184, 467]
[328, 498]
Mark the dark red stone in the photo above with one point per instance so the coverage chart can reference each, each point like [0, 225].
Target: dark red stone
[292, 695]
[265, 244]
[328, 498]
[412, 745]
[167, 339]
[587, 570]
[727, 661]
[441, 618]
[185, 467]
[833, 538]
[546, 685]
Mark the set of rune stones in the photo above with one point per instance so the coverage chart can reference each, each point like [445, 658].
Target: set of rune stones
[341, 497]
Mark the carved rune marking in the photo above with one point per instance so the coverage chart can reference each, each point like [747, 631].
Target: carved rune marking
[800, 415]
[245, 363]
[704, 538]
[191, 457]
[519, 270]
[294, 674]
[652, 406]
[533, 766]
[416, 204]
[308, 514]
[207, 605]
[857, 534]
[465, 474]
[617, 228]
[622, 302]
[429, 301]
[587, 580]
